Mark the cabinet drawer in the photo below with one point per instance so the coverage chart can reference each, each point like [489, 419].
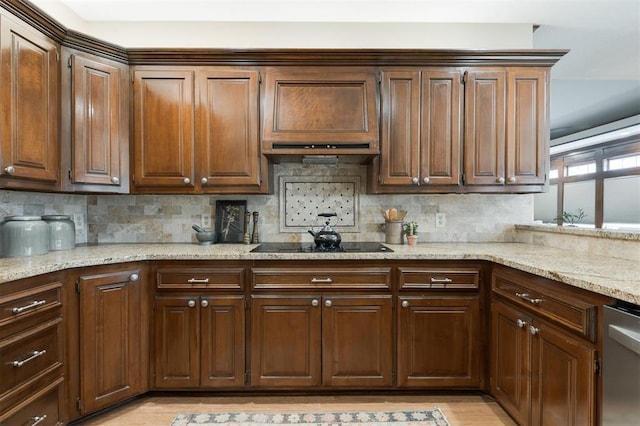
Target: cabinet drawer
[321, 278]
[430, 278]
[27, 356]
[557, 306]
[210, 278]
[42, 408]
[29, 303]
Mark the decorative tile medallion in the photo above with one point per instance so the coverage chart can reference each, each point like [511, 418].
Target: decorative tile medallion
[302, 198]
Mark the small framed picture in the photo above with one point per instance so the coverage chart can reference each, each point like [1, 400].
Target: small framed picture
[230, 220]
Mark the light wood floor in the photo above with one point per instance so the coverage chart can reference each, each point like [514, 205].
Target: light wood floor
[460, 410]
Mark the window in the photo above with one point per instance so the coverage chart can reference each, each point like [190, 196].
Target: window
[601, 183]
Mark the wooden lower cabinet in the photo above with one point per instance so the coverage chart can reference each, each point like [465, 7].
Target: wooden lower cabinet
[541, 374]
[199, 341]
[113, 359]
[321, 340]
[439, 341]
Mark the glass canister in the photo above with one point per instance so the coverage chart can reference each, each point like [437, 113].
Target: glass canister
[62, 232]
[24, 236]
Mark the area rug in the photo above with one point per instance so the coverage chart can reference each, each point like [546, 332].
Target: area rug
[430, 417]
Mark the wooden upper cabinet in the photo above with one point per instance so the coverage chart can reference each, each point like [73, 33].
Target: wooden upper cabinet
[164, 129]
[420, 139]
[331, 111]
[485, 127]
[29, 153]
[527, 127]
[95, 156]
[506, 127]
[228, 133]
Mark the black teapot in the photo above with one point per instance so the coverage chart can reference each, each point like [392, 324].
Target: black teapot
[326, 238]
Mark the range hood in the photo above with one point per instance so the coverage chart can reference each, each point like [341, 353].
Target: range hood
[320, 118]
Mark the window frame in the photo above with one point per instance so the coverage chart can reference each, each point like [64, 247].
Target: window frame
[598, 154]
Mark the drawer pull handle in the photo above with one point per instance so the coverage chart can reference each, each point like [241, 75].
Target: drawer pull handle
[38, 419]
[204, 303]
[441, 280]
[525, 296]
[521, 323]
[31, 305]
[328, 303]
[533, 330]
[34, 355]
[198, 280]
[321, 280]
[191, 303]
[315, 302]
[405, 303]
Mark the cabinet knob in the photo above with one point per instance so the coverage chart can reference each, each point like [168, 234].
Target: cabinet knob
[204, 303]
[315, 302]
[115, 180]
[533, 330]
[512, 179]
[426, 180]
[191, 303]
[134, 277]
[405, 303]
[328, 303]
[204, 181]
[521, 323]
[9, 170]
[415, 180]
[500, 180]
[186, 181]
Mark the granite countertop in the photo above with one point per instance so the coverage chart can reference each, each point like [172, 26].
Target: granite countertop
[609, 276]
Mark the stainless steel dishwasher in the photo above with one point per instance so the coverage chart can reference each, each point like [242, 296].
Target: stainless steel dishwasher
[621, 366]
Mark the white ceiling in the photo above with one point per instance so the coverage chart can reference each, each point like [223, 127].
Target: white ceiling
[596, 83]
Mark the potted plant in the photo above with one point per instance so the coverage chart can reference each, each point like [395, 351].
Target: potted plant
[570, 218]
[410, 229]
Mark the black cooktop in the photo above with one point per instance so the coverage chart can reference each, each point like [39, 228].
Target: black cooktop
[311, 248]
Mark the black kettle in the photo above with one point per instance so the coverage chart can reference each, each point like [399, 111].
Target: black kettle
[326, 238]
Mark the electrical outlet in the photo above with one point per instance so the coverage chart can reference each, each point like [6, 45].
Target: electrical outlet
[205, 221]
[78, 220]
[441, 220]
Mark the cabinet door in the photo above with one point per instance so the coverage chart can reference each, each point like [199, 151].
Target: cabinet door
[563, 378]
[485, 128]
[439, 341]
[229, 146]
[400, 128]
[164, 129]
[357, 341]
[96, 122]
[177, 335]
[222, 341]
[111, 333]
[285, 341]
[441, 126]
[511, 360]
[29, 154]
[527, 124]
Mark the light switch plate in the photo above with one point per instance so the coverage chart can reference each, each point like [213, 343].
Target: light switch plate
[78, 220]
[205, 221]
[441, 220]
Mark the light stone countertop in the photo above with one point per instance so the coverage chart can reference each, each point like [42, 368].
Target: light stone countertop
[609, 276]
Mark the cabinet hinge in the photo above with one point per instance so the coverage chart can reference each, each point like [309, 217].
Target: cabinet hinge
[380, 78]
[247, 377]
[259, 78]
[79, 404]
[393, 377]
[463, 77]
[78, 286]
[247, 303]
[380, 179]
[57, 56]
[69, 174]
[596, 367]
[69, 62]
[463, 178]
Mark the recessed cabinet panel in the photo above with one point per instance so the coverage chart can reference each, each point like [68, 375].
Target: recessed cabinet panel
[29, 150]
[441, 126]
[164, 128]
[484, 142]
[528, 132]
[229, 128]
[95, 122]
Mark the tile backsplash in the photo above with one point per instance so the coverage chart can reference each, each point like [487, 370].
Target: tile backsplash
[341, 187]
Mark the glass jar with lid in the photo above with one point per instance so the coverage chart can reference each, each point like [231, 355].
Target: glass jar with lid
[62, 232]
